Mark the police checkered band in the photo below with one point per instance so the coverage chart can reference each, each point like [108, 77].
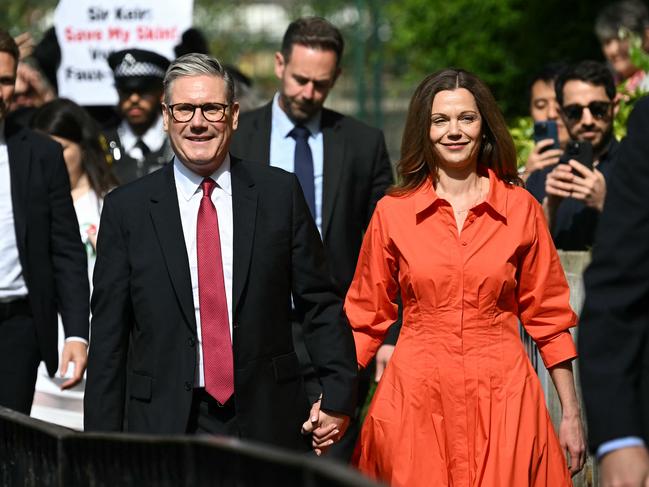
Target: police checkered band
[131, 68]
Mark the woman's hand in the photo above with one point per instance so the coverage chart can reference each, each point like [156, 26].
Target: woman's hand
[571, 438]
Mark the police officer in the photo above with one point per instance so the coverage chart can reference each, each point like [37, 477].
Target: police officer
[138, 145]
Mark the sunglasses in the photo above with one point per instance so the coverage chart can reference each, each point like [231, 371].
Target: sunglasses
[598, 109]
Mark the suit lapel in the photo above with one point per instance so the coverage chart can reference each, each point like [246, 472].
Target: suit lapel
[19, 167]
[165, 214]
[244, 212]
[334, 152]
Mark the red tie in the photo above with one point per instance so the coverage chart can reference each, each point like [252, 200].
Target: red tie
[215, 327]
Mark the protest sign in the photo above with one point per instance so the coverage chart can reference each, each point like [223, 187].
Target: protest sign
[89, 30]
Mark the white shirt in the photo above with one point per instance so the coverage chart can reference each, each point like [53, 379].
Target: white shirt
[12, 283]
[282, 150]
[153, 138]
[189, 199]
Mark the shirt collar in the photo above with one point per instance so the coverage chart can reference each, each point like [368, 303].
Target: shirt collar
[188, 182]
[426, 195]
[153, 137]
[284, 125]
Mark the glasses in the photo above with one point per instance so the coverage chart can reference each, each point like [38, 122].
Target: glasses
[598, 109]
[184, 112]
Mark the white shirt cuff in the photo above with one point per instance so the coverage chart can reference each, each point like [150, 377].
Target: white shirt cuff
[76, 339]
[618, 443]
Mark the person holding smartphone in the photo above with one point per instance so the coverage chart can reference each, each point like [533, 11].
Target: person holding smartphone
[550, 134]
[573, 192]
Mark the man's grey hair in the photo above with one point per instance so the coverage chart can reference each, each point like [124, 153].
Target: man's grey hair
[196, 64]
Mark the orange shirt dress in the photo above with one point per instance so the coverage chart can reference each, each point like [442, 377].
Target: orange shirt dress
[459, 403]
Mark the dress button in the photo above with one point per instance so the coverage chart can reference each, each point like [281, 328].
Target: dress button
[464, 244]
[188, 386]
[191, 341]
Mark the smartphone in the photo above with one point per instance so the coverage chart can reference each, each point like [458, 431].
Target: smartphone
[547, 129]
[581, 151]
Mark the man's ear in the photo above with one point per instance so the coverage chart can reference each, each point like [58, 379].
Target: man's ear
[280, 65]
[165, 117]
[234, 113]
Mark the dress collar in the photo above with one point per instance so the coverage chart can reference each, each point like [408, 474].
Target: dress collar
[426, 196]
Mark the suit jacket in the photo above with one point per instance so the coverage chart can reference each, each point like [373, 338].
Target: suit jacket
[357, 172]
[51, 254]
[142, 299]
[614, 328]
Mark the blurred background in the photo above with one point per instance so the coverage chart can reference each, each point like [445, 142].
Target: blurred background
[390, 44]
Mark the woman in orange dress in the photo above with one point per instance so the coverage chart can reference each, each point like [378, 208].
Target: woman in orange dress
[469, 251]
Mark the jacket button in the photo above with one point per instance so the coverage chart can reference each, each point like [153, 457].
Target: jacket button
[188, 386]
[191, 341]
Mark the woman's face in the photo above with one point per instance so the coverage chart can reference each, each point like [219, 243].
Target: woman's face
[455, 128]
[72, 155]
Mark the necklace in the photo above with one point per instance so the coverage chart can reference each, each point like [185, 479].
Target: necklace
[477, 200]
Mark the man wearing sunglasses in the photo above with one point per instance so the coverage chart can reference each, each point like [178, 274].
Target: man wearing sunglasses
[573, 192]
[138, 145]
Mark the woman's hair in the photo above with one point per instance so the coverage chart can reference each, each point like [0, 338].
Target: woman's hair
[64, 118]
[418, 159]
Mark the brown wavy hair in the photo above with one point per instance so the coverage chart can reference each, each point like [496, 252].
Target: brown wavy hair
[418, 160]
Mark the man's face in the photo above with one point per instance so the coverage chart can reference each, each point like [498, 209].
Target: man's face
[140, 108]
[199, 144]
[7, 82]
[595, 122]
[544, 106]
[306, 79]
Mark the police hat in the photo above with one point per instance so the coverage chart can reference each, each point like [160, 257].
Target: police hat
[136, 69]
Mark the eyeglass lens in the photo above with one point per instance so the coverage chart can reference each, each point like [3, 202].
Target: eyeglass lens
[184, 112]
[598, 109]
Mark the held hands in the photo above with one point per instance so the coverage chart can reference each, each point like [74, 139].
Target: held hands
[626, 467]
[586, 185]
[325, 428]
[77, 353]
[571, 438]
[540, 158]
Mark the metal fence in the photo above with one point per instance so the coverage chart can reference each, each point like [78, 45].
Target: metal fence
[574, 264]
[38, 454]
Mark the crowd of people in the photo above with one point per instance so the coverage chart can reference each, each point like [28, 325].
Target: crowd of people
[254, 270]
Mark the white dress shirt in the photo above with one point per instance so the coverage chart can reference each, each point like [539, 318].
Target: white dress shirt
[188, 187]
[12, 283]
[282, 150]
[153, 138]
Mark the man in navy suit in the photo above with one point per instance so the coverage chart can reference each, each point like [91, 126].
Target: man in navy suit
[345, 172]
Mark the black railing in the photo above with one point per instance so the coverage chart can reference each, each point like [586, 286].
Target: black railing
[34, 453]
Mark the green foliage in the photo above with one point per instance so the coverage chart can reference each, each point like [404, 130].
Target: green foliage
[503, 41]
[521, 131]
[626, 96]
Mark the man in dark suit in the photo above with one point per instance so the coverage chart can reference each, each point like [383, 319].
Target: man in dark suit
[346, 169]
[43, 267]
[196, 265]
[614, 328]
